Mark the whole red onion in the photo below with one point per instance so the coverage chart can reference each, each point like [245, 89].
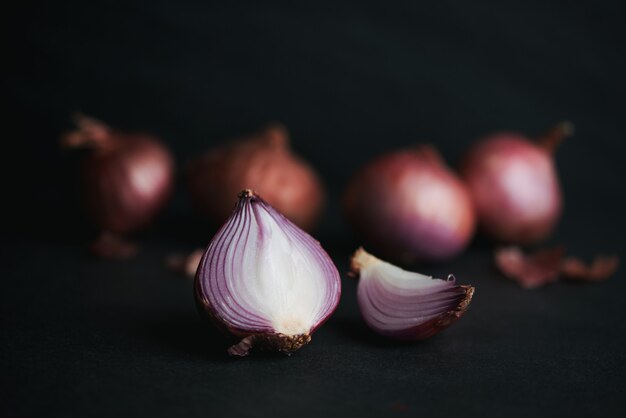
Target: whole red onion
[127, 178]
[409, 206]
[514, 184]
[263, 162]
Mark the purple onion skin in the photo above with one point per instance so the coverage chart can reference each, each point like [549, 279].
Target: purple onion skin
[433, 326]
[514, 185]
[127, 179]
[265, 338]
[430, 328]
[116, 200]
[265, 163]
[408, 207]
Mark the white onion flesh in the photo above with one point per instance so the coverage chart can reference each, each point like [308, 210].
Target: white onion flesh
[406, 305]
[263, 277]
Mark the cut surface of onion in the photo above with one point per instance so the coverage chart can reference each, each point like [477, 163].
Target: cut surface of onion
[266, 281]
[405, 305]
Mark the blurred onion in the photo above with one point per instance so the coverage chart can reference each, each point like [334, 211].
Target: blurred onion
[127, 179]
[514, 185]
[409, 206]
[264, 163]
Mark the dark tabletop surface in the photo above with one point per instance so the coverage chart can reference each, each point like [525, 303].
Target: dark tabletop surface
[86, 337]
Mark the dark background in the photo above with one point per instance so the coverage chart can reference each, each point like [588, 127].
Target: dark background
[84, 337]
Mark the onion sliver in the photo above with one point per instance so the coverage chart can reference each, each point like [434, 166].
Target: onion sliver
[405, 305]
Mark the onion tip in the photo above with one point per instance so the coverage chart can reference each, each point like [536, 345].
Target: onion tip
[246, 193]
[553, 138]
[275, 135]
[90, 133]
[359, 260]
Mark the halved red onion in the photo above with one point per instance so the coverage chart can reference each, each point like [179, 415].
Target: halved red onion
[265, 281]
[404, 305]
